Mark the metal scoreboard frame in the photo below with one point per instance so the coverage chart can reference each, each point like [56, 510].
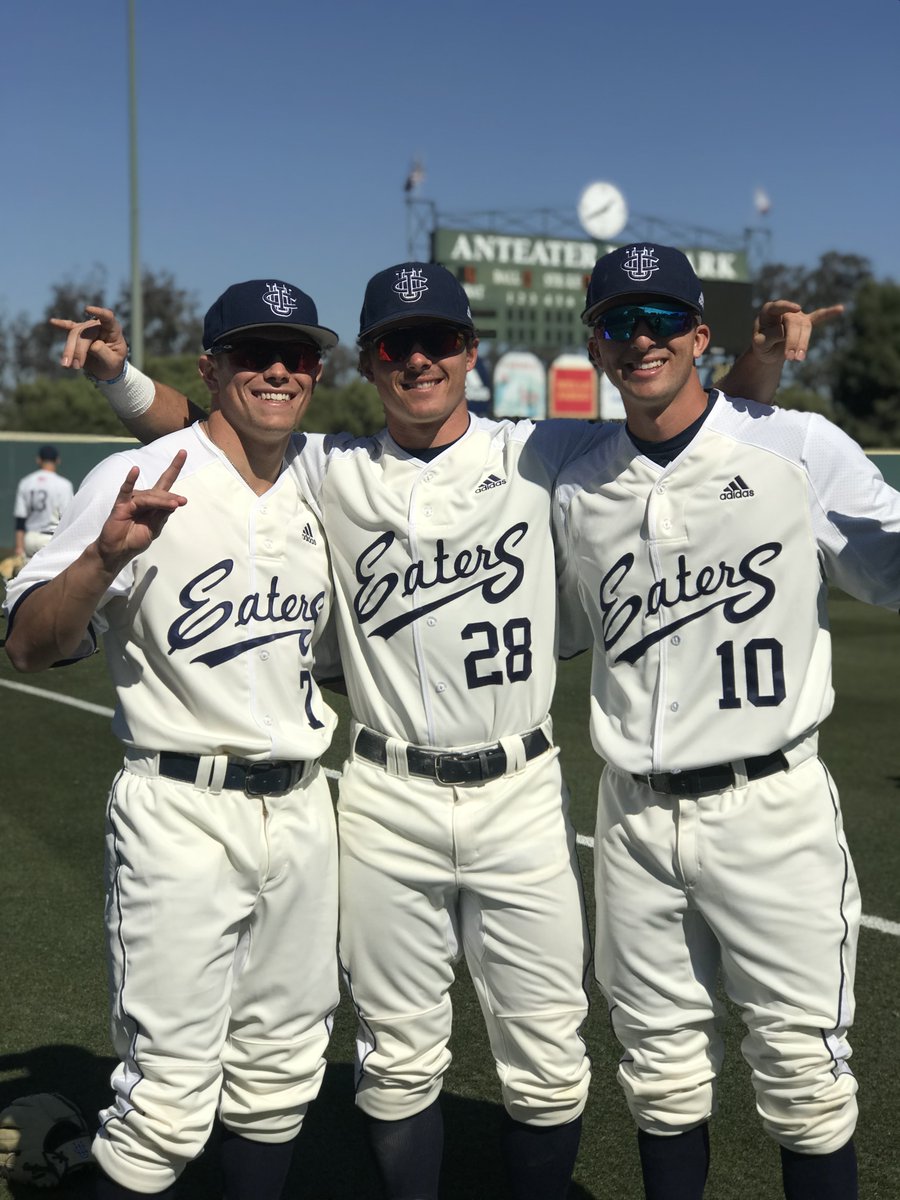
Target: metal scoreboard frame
[527, 290]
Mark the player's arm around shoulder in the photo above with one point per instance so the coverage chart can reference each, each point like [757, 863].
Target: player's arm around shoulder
[560, 441]
[50, 612]
[146, 408]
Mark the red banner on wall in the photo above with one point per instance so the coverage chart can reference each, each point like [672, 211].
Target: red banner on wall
[572, 390]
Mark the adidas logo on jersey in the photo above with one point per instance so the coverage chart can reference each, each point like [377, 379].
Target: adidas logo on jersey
[308, 534]
[736, 490]
[492, 481]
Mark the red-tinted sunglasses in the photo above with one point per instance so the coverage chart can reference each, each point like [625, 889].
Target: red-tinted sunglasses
[435, 341]
[298, 357]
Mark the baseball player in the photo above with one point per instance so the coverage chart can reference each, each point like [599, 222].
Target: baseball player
[700, 540]
[455, 837]
[221, 847]
[41, 499]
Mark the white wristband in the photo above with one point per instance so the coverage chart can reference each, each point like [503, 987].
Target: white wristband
[129, 395]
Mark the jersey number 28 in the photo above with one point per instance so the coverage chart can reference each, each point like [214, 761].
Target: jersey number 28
[516, 662]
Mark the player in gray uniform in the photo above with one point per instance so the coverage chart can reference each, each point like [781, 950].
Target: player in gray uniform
[700, 541]
[41, 499]
[221, 855]
[455, 836]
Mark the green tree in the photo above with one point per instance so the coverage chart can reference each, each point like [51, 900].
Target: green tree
[59, 405]
[172, 320]
[867, 368]
[35, 345]
[354, 408]
[802, 399]
[30, 350]
[340, 367]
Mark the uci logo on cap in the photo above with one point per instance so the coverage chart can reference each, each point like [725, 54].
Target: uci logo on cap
[639, 265]
[411, 285]
[280, 299]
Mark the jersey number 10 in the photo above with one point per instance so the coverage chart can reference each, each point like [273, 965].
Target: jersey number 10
[758, 654]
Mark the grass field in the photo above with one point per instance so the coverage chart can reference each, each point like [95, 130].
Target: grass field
[58, 761]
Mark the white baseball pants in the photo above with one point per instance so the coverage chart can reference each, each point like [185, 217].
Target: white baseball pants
[221, 918]
[754, 885]
[430, 871]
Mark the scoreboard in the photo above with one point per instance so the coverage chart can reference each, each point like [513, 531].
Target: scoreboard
[527, 291]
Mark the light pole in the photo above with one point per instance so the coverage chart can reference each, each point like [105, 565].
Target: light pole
[137, 295]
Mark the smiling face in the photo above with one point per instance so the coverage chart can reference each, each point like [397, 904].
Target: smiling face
[654, 374]
[424, 391]
[262, 401]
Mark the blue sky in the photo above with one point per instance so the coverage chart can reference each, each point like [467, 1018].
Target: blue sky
[275, 138]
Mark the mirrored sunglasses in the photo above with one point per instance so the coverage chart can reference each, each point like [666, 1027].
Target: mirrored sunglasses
[297, 357]
[619, 324]
[435, 341]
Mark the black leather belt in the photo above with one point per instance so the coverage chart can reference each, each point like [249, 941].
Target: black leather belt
[712, 779]
[473, 766]
[269, 777]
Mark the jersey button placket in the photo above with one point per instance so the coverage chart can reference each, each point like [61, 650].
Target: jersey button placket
[660, 525]
[270, 528]
[426, 495]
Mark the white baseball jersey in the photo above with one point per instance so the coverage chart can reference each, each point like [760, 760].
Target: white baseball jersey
[230, 898]
[445, 577]
[210, 645]
[705, 582]
[41, 499]
[445, 591]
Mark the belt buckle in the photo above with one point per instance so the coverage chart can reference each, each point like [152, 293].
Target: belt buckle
[472, 767]
[661, 782]
[264, 770]
[439, 760]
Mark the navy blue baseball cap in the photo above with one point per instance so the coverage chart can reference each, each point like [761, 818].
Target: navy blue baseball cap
[264, 304]
[642, 269]
[48, 454]
[410, 293]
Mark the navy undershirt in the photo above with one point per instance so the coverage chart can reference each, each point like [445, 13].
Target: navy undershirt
[427, 453]
[664, 452]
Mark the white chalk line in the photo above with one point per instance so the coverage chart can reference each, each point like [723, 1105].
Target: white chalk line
[880, 924]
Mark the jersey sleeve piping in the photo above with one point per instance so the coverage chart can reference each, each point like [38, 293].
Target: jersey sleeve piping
[89, 642]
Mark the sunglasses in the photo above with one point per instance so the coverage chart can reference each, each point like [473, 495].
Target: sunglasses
[435, 341]
[619, 324]
[297, 357]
